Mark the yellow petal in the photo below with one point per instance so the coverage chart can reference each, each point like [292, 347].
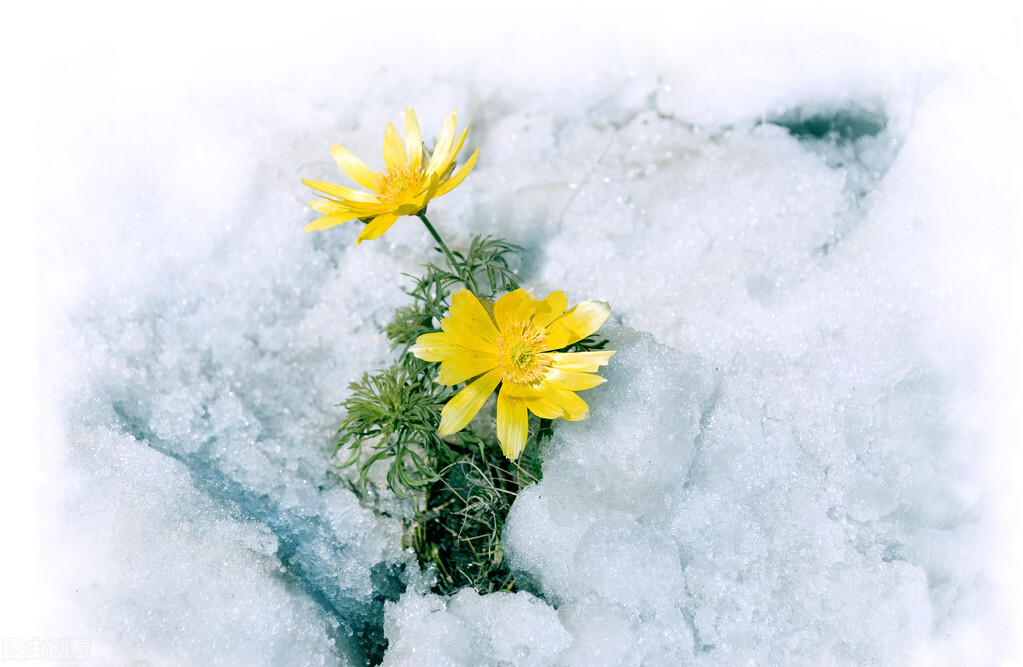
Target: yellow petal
[413, 138]
[353, 167]
[332, 220]
[368, 210]
[543, 406]
[488, 306]
[587, 362]
[447, 134]
[514, 306]
[549, 310]
[512, 425]
[436, 347]
[327, 206]
[516, 390]
[429, 193]
[364, 210]
[572, 380]
[464, 366]
[394, 150]
[574, 407]
[463, 334]
[467, 310]
[548, 400]
[459, 176]
[376, 227]
[456, 147]
[576, 324]
[410, 208]
[341, 192]
[460, 410]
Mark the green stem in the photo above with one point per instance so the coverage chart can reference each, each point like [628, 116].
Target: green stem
[443, 246]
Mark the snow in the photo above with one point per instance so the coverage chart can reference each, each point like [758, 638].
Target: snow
[470, 629]
[803, 454]
[138, 606]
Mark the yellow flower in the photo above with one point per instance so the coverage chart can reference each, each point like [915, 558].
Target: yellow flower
[509, 343]
[412, 179]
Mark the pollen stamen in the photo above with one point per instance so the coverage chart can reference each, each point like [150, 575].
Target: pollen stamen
[520, 356]
[398, 184]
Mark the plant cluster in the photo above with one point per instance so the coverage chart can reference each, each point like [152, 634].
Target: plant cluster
[456, 474]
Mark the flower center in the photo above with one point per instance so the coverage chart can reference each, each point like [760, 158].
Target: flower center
[520, 357]
[520, 353]
[399, 184]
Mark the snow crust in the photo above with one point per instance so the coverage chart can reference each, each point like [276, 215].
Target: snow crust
[801, 455]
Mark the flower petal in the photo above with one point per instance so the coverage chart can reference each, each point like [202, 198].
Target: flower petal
[572, 380]
[512, 425]
[436, 347]
[331, 220]
[516, 390]
[327, 206]
[460, 410]
[353, 167]
[467, 309]
[409, 208]
[514, 306]
[413, 138]
[341, 192]
[377, 227]
[429, 193]
[334, 206]
[549, 310]
[576, 324]
[549, 401]
[588, 362]
[394, 149]
[456, 147]
[447, 134]
[488, 306]
[574, 408]
[464, 366]
[463, 334]
[543, 406]
[459, 176]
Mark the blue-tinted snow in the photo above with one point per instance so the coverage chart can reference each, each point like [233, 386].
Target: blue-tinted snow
[804, 237]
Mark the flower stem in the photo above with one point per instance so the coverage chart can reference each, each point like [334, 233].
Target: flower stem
[443, 246]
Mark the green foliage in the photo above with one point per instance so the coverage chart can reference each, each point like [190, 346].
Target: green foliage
[461, 485]
[487, 258]
[458, 530]
[395, 414]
